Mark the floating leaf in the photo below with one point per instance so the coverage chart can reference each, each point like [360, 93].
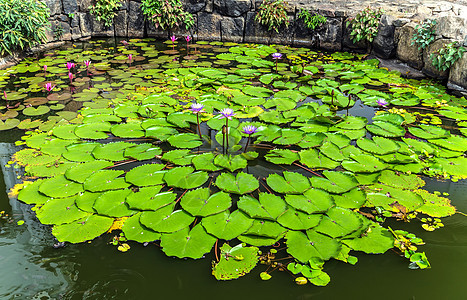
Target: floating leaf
[166, 220]
[111, 151]
[429, 132]
[226, 225]
[298, 220]
[339, 222]
[105, 180]
[60, 187]
[135, 231]
[376, 240]
[94, 131]
[291, 183]
[231, 266]
[363, 163]
[205, 162]
[312, 245]
[146, 175]
[128, 130]
[435, 206]
[312, 201]
[386, 129]
[112, 204]
[183, 177]
[336, 182]
[82, 230]
[314, 159]
[60, 211]
[80, 152]
[185, 140]
[200, 202]
[142, 151]
[232, 163]
[241, 184]
[30, 193]
[188, 243]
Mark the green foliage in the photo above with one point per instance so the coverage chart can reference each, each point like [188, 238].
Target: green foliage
[364, 26]
[272, 14]
[23, 24]
[58, 32]
[105, 10]
[425, 34]
[311, 21]
[167, 14]
[445, 57]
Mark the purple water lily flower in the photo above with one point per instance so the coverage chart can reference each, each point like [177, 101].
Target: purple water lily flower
[227, 113]
[249, 129]
[276, 55]
[382, 102]
[197, 107]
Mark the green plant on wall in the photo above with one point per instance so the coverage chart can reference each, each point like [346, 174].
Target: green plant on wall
[425, 34]
[445, 57]
[105, 11]
[167, 14]
[58, 32]
[364, 26]
[311, 21]
[23, 23]
[272, 14]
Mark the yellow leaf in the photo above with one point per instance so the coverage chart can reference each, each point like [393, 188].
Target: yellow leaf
[117, 224]
[123, 247]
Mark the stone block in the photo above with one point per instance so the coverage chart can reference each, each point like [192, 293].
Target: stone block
[458, 72]
[70, 6]
[304, 36]
[330, 35]
[384, 45]
[406, 51]
[451, 27]
[75, 33]
[55, 6]
[195, 6]
[285, 34]
[84, 5]
[348, 44]
[66, 36]
[232, 8]
[135, 20]
[254, 32]
[75, 20]
[121, 23]
[232, 29]
[98, 28]
[152, 31]
[85, 23]
[428, 67]
[209, 26]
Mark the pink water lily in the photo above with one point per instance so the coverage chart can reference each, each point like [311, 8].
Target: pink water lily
[130, 57]
[188, 38]
[45, 68]
[124, 42]
[173, 38]
[87, 63]
[4, 95]
[70, 65]
[49, 87]
[70, 76]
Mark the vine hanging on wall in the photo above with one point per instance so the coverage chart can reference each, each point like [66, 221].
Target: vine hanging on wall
[273, 14]
[364, 26]
[167, 14]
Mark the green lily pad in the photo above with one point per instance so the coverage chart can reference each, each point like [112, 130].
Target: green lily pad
[33, 111]
[183, 177]
[188, 243]
[60, 211]
[80, 172]
[235, 262]
[312, 201]
[241, 184]
[200, 202]
[146, 175]
[291, 183]
[60, 187]
[82, 230]
[105, 180]
[226, 225]
[112, 204]
[312, 245]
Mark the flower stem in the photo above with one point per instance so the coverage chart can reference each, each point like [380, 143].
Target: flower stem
[276, 65]
[247, 142]
[199, 129]
[227, 134]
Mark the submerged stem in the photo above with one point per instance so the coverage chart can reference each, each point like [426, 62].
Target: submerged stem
[199, 128]
[247, 142]
[227, 135]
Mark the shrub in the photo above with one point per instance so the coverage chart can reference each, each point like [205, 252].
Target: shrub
[425, 34]
[364, 26]
[311, 21]
[23, 24]
[272, 14]
[105, 10]
[445, 57]
[167, 14]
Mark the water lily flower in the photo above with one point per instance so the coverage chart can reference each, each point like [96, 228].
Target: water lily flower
[70, 76]
[87, 63]
[227, 113]
[130, 57]
[70, 65]
[4, 95]
[197, 107]
[124, 42]
[188, 38]
[45, 68]
[173, 38]
[382, 102]
[276, 55]
[49, 87]
[249, 129]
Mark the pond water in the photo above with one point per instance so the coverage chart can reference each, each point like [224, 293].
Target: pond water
[32, 268]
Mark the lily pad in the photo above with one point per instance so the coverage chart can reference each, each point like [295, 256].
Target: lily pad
[201, 203]
[188, 243]
[82, 230]
[241, 184]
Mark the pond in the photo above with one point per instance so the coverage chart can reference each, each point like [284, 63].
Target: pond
[117, 151]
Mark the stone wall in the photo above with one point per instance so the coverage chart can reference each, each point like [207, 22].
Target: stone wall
[233, 20]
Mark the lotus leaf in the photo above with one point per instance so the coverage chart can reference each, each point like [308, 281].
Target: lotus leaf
[93, 131]
[435, 206]
[60, 187]
[405, 181]
[111, 151]
[205, 162]
[386, 129]
[200, 202]
[188, 243]
[429, 132]
[60, 211]
[312, 245]
[314, 159]
[30, 193]
[82, 230]
[112, 204]
[355, 198]
[142, 151]
[363, 163]
[376, 240]
[146, 175]
[241, 184]
[165, 220]
[232, 163]
[85, 201]
[231, 266]
[128, 130]
[386, 197]
[312, 201]
[105, 180]
[226, 225]
[268, 207]
[185, 140]
[160, 133]
[135, 231]
[82, 171]
[183, 177]
[336, 182]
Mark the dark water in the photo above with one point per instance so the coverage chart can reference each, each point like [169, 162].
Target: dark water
[30, 268]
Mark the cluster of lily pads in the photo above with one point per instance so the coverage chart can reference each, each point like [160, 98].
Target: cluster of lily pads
[233, 148]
